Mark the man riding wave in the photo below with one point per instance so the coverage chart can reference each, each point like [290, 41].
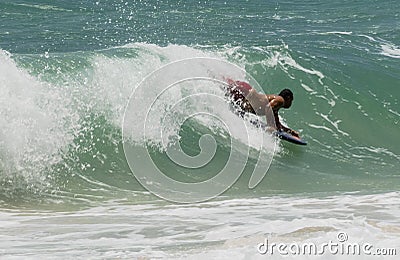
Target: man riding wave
[248, 100]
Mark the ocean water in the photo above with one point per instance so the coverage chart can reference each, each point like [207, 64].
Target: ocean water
[79, 78]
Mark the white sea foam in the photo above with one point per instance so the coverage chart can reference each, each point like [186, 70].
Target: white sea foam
[308, 89]
[336, 32]
[391, 50]
[45, 7]
[36, 123]
[333, 123]
[218, 229]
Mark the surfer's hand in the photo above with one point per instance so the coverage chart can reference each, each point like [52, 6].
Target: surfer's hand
[294, 133]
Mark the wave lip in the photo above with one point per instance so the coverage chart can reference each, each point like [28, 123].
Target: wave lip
[35, 124]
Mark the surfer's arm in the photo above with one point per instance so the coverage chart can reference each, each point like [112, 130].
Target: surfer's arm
[281, 127]
[276, 103]
[271, 111]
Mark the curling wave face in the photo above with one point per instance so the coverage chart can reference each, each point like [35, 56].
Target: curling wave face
[63, 118]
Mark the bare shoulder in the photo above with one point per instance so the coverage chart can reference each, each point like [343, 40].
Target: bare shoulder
[276, 98]
[275, 101]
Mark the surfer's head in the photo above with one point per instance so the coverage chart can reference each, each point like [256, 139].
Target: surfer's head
[287, 95]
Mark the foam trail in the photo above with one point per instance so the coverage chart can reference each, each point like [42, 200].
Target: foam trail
[391, 51]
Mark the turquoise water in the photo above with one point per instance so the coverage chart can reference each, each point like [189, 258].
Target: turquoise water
[67, 71]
